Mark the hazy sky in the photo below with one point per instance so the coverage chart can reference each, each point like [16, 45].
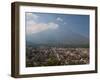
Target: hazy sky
[40, 22]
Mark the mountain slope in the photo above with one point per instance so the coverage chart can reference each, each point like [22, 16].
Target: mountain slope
[55, 37]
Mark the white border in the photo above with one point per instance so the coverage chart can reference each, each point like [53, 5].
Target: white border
[53, 69]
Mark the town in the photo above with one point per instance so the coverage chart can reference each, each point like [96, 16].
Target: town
[52, 56]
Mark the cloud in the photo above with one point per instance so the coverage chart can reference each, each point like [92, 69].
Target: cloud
[32, 26]
[30, 22]
[59, 19]
[31, 16]
[39, 27]
[65, 23]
